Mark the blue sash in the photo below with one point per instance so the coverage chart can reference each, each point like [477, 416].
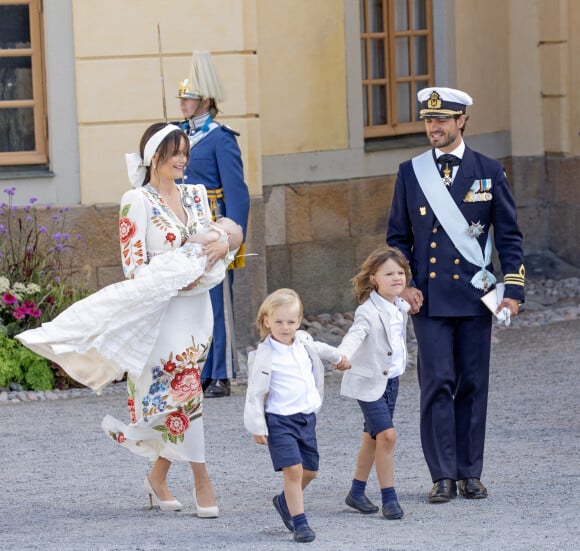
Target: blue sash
[452, 220]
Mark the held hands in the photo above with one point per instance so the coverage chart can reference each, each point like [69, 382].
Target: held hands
[260, 439]
[343, 365]
[414, 297]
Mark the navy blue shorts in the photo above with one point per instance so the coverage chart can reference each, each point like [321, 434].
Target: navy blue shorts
[292, 440]
[378, 415]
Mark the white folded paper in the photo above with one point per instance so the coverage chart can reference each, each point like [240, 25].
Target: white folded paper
[492, 300]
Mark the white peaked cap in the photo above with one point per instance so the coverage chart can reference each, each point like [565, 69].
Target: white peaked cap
[442, 102]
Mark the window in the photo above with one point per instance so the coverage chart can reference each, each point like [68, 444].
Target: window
[397, 61]
[22, 92]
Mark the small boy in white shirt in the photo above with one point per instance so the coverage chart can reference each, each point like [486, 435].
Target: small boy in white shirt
[376, 346]
[285, 389]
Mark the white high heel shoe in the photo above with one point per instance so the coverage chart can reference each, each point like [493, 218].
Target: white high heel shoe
[170, 505]
[205, 512]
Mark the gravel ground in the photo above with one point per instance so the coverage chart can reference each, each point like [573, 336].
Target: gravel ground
[66, 486]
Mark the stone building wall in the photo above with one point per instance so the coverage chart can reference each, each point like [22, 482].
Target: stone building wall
[323, 231]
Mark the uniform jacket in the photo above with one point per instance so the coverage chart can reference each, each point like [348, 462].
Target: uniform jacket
[368, 346]
[215, 161]
[259, 373]
[439, 270]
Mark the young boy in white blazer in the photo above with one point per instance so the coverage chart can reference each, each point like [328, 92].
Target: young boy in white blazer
[376, 347]
[285, 389]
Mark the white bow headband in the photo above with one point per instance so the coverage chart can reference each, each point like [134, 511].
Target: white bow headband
[136, 166]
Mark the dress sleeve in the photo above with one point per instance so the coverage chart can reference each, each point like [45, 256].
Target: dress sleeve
[258, 387]
[231, 171]
[508, 237]
[399, 228]
[132, 230]
[323, 350]
[356, 336]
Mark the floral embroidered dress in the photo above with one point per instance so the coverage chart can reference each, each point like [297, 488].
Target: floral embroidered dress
[165, 399]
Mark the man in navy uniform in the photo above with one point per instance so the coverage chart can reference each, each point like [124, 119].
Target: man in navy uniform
[444, 205]
[216, 162]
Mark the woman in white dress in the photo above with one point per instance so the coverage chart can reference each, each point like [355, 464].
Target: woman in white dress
[165, 401]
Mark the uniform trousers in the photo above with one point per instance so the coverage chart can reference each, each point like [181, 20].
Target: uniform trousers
[219, 363]
[453, 372]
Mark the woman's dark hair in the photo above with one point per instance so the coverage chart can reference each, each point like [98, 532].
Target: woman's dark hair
[171, 145]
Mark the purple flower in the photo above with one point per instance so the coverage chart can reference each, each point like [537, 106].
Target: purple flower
[57, 279]
[42, 229]
[29, 218]
[65, 236]
[55, 216]
[10, 190]
[48, 207]
[19, 313]
[9, 298]
[3, 228]
[57, 236]
[36, 313]
[60, 247]
[33, 200]
[79, 236]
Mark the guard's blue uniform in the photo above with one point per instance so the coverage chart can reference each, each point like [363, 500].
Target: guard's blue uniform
[453, 327]
[216, 162]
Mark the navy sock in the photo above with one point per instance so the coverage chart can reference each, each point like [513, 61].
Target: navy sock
[283, 503]
[388, 494]
[357, 490]
[299, 520]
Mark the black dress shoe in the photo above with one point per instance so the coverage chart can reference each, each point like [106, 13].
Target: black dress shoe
[362, 504]
[443, 491]
[286, 517]
[472, 488]
[304, 534]
[392, 510]
[218, 389]
[205, 383]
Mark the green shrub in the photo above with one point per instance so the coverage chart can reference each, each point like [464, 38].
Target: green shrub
[20, 365]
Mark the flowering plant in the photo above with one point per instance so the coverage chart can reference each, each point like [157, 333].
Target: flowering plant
[37, 279]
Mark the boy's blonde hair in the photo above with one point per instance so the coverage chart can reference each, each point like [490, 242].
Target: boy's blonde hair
[279, 297]
[362, 281]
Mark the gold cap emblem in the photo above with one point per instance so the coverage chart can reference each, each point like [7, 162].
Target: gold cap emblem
[434, 101]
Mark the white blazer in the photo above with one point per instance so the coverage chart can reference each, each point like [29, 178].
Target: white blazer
[368, 346]
[259, 373]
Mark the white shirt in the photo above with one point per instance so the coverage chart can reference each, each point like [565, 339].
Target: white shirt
[399, 358]
[458, 152]
[292, 385]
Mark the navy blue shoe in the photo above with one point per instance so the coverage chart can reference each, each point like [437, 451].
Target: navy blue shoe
[286, 517]
[392, 510]
[362, 504]
[304, 534]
